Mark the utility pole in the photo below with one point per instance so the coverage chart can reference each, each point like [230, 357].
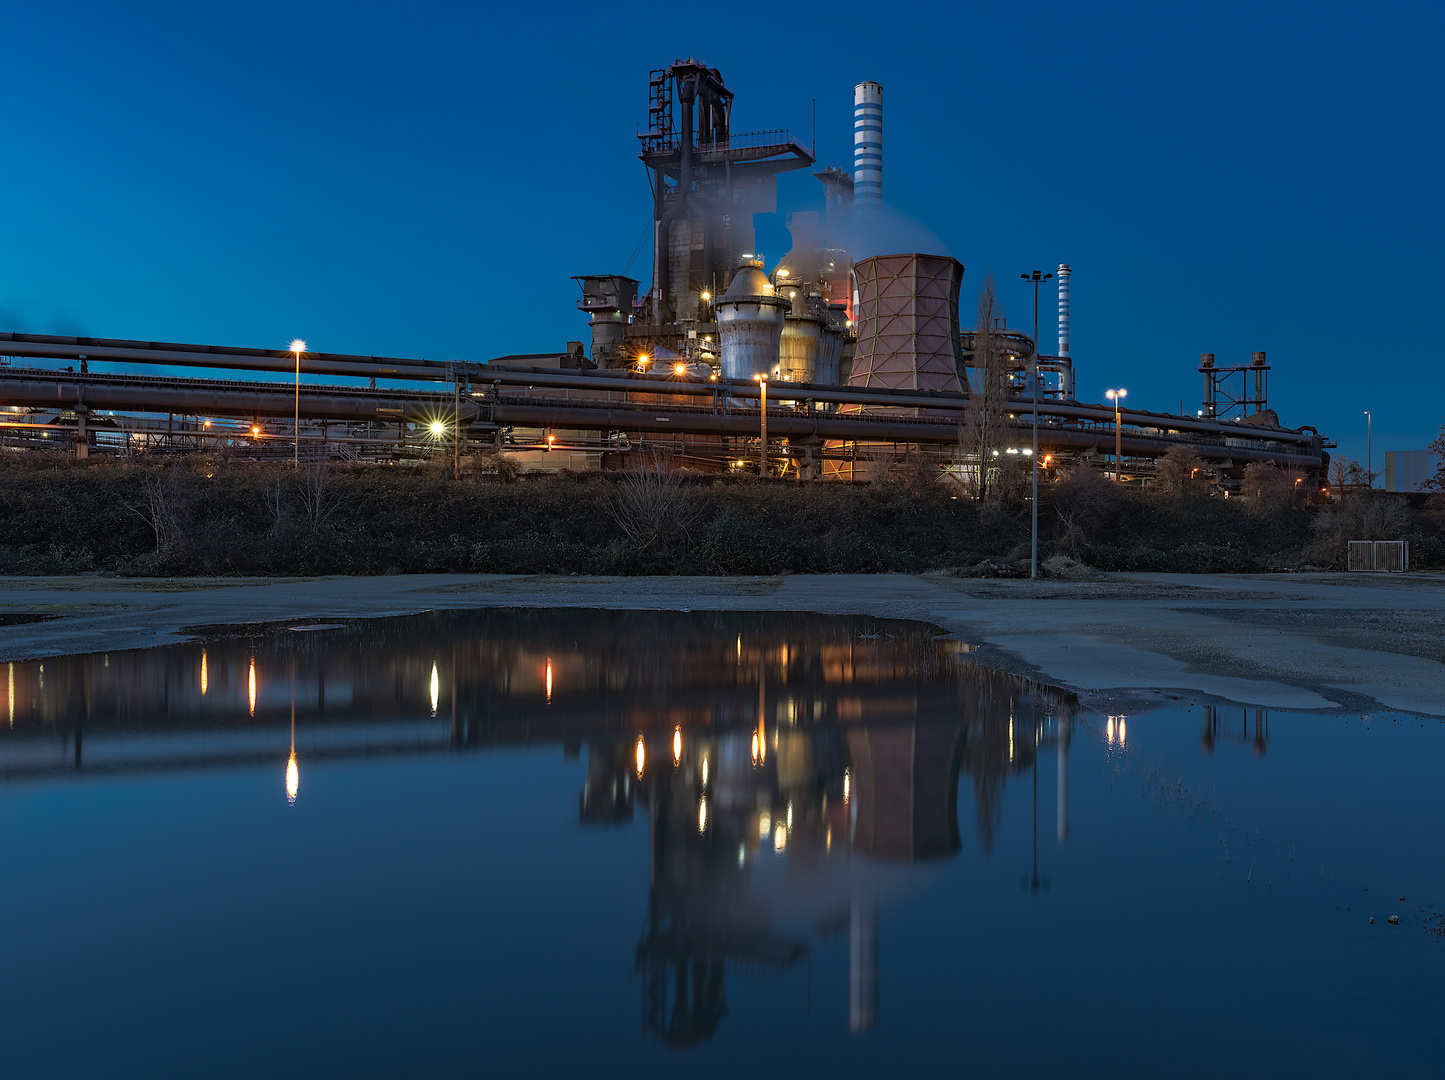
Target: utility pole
[763, 442]
[457, 426]
[1038, 279]
[1117, 397]
[298, 347]
[1369, 449]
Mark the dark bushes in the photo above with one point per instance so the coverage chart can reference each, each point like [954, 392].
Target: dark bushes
[209, 516]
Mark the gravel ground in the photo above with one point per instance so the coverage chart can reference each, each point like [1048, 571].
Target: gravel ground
[1301, 641]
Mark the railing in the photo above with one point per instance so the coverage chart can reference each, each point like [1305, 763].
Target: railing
[748, 140]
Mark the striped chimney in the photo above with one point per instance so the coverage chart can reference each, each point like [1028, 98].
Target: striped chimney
[867, 146]
[1064, 273]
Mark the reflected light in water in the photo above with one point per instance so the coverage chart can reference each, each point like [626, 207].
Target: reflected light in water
[436, 687]
[677, 745]
[641, 756]
[1010, 738]
[780, 837]
[790, 815]
[293, 779]
[205, 680]
[765, 825]
[1114, 730]
[549, 680]
[702, 815]
[12, 694]
[251, 685]
[755, 748]
[847, 785]
[704, 770]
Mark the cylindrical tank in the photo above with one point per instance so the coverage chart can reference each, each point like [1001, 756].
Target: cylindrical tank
[608, 329]
[750, 319]
[799, 347]
[830, 352]
[867, 147]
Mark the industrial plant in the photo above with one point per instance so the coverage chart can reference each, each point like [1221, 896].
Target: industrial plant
[826, 363]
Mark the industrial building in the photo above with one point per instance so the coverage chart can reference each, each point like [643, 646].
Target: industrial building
[820, 365]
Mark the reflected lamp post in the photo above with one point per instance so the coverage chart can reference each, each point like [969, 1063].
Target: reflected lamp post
[1038, 279]
[298, 347]
[1117, 397]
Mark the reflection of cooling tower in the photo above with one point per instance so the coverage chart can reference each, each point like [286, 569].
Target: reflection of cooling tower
[905, 790]
[907, 322]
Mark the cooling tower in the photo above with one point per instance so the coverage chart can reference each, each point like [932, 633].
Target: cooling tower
[907, 322]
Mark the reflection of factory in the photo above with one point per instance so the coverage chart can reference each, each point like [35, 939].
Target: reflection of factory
[789, 767]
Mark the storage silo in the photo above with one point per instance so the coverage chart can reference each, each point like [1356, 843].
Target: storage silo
[799, 347]
[750, 319]
[830, 352]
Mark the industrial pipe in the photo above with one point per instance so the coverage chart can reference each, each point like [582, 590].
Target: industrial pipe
[117, 351]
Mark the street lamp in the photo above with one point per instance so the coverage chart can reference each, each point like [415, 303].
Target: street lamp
[298, 347]
[763, 413]
[1117, 397]
[1038, 279]
[1369, 449]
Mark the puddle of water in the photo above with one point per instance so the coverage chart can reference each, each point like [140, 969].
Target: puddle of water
[530, 841]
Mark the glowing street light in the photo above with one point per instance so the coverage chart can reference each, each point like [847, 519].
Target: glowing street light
[298, 347]
[763, 441]
[438, 428]
[679, 369]
[1117, 397]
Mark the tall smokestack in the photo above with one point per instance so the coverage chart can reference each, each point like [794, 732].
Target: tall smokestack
[867, 147]
[1064, 273]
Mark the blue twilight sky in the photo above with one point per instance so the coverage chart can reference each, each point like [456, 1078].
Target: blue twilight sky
[424, 178]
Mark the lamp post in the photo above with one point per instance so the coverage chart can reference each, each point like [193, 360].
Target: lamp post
[298, 347]
[1038, 279]
[1369, 449]
[763, 414]
[1117, 397]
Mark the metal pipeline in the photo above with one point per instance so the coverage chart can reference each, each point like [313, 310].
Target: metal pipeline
[208, 397]
[339, 364]
[214, 398]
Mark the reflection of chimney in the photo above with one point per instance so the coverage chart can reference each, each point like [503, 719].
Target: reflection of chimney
[1063, 740]
[867, 146]
[863, 967]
